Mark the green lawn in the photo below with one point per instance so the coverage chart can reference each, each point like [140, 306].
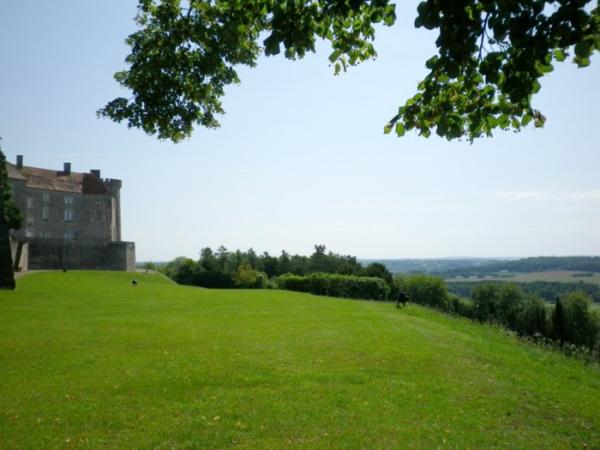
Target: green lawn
[89, 361]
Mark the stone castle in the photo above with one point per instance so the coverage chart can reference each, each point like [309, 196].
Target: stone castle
[71, 220]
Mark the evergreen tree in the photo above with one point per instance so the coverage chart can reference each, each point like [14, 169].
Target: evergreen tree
[7, 276]
[559, 322]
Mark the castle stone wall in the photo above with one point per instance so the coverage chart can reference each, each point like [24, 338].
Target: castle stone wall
[56, 254]
[92, 217]
[120, 256]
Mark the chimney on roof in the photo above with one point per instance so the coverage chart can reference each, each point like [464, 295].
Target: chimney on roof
[95, 172]
[19, 161]
[67, 169]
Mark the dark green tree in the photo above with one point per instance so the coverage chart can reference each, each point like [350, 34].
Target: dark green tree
[10, 218]
[208, 261]
[491, 55]
[559, 322]
[319, 262]
[378, 270]
[285, 263]
[486, 300]
[510, 305]
[532, 317]
[582, 327]
[270, 265]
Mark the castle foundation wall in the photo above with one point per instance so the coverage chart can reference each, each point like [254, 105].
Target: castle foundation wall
[57, 254]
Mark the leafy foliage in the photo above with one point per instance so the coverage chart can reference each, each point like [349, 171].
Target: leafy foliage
[491, 55]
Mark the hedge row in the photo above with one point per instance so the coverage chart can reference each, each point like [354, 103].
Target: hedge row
[333, 285]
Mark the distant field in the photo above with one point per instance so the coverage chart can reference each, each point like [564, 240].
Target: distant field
[89, 361]
[564, 276]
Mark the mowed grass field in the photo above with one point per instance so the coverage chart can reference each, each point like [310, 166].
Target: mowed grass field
[562, 276]
[89, 361]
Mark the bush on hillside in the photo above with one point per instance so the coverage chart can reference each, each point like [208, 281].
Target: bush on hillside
[349, 286]
[291, 282]
[426, 290]
[181, 270]
[460, 306]
[333, 285]
[150, 266]
[246, 277]
[210, 279]
[533, 317]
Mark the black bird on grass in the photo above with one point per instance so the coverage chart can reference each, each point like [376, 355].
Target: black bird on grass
[402, 298]
[134, 282]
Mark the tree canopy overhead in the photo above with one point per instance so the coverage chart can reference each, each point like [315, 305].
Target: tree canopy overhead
[491, 55]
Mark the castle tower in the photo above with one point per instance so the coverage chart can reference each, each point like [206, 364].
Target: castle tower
[114, 187]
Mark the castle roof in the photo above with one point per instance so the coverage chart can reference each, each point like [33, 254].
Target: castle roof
[52, 180]
[13, 172]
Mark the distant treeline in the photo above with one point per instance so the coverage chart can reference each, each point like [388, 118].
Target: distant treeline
[547, 290]
[428, 266]
[536, 264]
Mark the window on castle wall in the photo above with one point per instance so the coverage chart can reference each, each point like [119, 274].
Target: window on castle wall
[29, 202]
[68, 215]
[69, 235]
[98, 210]
[28, 232]
[46, 197]
[29, 219]
[45, 213]
[68, 200]
[46, 234]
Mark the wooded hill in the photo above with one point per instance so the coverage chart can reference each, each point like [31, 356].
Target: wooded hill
[534, 264]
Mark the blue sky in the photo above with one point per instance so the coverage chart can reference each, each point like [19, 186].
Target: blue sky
[300, 158]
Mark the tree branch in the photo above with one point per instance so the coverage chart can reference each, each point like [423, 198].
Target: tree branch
[483, 33]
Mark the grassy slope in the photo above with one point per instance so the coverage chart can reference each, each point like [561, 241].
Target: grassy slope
[87, 360]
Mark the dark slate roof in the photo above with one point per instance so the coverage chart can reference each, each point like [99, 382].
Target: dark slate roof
[52, 180]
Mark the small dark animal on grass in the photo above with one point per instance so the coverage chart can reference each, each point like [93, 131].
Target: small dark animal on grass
[402, 298]
[64, 270]
[134, 282]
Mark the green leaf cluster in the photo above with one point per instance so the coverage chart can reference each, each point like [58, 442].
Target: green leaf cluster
[186, 53]
[490, 59]
[491, 56]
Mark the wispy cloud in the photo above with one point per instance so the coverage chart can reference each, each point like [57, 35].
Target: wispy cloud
[521, 195]
[586, 195]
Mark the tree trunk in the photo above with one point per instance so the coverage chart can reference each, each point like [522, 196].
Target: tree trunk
[7, 275]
